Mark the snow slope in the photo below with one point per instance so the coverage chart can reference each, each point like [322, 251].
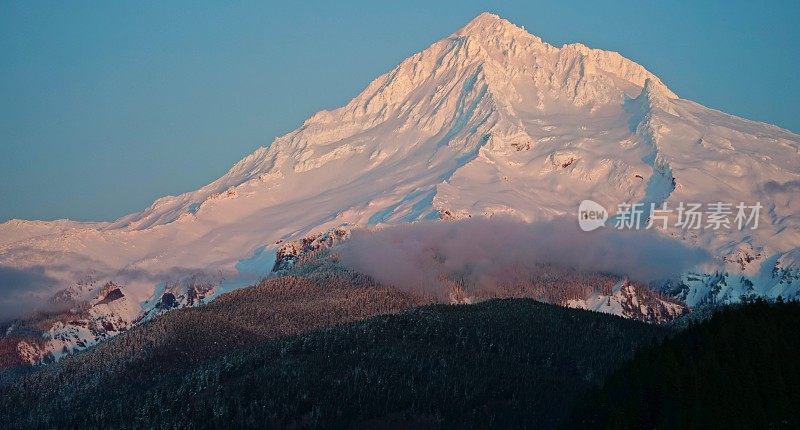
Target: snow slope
[490, 120]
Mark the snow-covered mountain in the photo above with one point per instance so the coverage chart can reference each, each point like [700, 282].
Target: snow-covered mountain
[490, 120]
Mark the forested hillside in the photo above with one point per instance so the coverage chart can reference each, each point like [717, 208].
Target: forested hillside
[739, 369]
[497, 363]
[275, 307]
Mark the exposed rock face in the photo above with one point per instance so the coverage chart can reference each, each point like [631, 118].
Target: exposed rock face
[289, 252]
[50, 335]
[82, 323]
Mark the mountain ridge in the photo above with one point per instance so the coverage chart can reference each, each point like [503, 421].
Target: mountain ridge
[488, 121]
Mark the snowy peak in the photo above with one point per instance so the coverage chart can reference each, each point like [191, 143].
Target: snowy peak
[490, 120]
[511, 46]
[488, 26]
[514, 65]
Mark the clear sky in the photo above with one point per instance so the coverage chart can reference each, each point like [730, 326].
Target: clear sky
[108, 105]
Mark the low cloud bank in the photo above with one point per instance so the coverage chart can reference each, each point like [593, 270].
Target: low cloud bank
[23, 291]
[486, 252]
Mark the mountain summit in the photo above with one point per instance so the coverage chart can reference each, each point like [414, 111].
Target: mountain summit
[491, 24]
[490, 120]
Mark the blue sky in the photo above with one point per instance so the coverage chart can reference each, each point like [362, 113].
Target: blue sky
[105, 106]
